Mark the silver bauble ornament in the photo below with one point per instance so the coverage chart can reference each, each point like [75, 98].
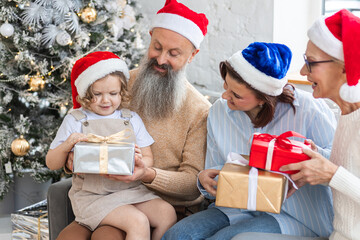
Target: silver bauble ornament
[63, 38]
[7, 29]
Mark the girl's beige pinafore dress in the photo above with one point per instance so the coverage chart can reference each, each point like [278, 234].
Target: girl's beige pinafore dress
[93, 196]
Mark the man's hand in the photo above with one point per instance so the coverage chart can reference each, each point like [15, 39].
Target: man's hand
[206, 178]
[139, 173]
[70, 161]
[138, 154]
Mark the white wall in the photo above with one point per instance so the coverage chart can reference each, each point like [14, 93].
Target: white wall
[233, 24]
[292, 18]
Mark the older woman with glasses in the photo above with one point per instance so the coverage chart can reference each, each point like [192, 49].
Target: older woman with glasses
[332, 64]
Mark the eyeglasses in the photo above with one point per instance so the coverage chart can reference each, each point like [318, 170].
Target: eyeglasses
[309, 64]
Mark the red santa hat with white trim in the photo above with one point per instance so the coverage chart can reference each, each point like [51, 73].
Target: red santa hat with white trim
[339, 36]
[179, 18]
[91, 68]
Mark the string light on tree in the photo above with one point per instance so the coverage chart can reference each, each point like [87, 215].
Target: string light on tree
[7, 29]
[62, 110]
[20, 146]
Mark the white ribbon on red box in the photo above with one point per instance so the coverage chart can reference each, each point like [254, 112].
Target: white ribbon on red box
[281, 139]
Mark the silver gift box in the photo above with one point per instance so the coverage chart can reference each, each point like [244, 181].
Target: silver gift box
[31, 222]
[120, 158]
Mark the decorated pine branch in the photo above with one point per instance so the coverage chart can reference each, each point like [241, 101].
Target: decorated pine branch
[40, 41]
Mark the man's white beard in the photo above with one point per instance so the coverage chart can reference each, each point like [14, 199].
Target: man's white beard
[156, 95]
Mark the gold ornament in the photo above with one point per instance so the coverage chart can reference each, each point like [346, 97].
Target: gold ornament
[36, 83]
[88, 14]
[20, 146]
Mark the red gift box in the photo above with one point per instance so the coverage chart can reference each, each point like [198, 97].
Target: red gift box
[270, 152]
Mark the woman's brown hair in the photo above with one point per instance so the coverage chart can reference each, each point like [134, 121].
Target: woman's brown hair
[124, 93]
[266, 114]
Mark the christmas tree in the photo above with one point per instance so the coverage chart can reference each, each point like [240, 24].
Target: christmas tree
[40, 42]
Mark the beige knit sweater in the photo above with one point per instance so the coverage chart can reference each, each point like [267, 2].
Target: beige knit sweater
[179, 148]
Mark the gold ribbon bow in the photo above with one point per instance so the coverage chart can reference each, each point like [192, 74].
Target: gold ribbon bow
[117, 138]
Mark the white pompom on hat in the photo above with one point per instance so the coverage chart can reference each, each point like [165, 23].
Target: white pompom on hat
[179, 18]
[339, 36]
[91, 68]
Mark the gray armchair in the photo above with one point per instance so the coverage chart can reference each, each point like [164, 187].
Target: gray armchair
[272, 236]
[61, 215]
[59, 207]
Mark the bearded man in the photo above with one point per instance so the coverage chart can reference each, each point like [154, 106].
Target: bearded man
[173, 111]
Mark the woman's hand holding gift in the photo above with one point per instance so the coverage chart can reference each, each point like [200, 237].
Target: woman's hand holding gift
[206, 178]
[316, 170]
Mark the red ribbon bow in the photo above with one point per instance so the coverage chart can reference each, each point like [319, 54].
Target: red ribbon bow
[281, 140]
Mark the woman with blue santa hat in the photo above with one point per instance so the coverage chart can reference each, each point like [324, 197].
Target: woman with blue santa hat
[258, 98]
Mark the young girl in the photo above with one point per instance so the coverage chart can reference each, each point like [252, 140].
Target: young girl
[99, 87]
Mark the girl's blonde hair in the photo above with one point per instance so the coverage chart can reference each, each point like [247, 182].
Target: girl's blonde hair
[124, 93]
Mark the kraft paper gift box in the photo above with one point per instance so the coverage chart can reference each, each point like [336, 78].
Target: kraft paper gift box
[31, 222]
[270, 152]
[233, 189]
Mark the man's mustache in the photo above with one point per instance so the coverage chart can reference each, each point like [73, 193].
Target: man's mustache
[153, 62]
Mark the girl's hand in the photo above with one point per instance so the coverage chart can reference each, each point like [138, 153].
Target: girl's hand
[316, 170]
[74, 139]
[58, 157]
[206, 178]
[70, 143]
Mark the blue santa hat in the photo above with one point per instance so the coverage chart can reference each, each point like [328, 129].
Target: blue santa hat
[263, 66]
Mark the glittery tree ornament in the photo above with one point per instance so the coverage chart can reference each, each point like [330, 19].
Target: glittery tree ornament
[36, 83]
[88, 14]
[20, 146]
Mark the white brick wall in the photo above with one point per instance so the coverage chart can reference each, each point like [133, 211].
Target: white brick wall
[233, 24]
